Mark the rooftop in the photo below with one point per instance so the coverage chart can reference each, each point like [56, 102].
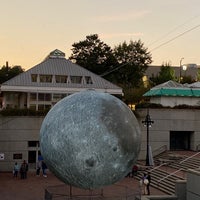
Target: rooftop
[172, 88]
[57, 73]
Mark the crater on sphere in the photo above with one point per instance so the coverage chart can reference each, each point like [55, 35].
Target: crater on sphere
[90, 162]
[114, 148]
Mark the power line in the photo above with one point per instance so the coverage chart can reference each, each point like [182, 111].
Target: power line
[175, 37]
[191, 29]
[173, 30]
[106, 73]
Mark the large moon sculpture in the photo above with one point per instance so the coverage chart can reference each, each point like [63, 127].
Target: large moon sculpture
[90, 139]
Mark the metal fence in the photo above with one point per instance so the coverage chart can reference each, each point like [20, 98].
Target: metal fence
[114, 192]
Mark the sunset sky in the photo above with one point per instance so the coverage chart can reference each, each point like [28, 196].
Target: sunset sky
[30, 30]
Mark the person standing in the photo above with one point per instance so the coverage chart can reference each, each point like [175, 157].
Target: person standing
[134, 171]
[145, 182]
[148, 177]
[15, 170]
[38, 167]
[44, 168]
[24, 170]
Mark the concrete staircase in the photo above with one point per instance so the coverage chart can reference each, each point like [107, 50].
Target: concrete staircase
[185, 160]
[161, 180]
[171, 166]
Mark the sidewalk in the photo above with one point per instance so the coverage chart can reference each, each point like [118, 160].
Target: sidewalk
[33, 188]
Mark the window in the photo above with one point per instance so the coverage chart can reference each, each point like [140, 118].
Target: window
[57, 97]
[33, 143]
[32, 107]
[43, 107]
[88, 80]
[11, 96]
[33, 96]
[76, 79]
[17, 156]
[45, 78]
[44, 97]
[61, 79]
[34, 77]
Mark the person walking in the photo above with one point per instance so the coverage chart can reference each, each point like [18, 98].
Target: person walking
[15, 170]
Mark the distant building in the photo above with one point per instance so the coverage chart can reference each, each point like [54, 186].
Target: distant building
[45, 84]
[176, 122]
[186, 70]
[173, 94]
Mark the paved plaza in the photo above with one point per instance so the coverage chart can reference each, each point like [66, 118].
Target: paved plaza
[33, 188]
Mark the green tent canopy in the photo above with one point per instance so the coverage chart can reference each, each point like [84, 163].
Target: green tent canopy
[172, 88]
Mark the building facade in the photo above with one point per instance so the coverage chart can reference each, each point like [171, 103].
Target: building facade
[171, 94]
[173, 129]
[43, 85]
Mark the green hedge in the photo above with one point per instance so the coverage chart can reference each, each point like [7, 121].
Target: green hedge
[23, 112]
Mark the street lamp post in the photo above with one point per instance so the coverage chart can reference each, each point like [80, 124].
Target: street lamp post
[147, 122]
[180, 69]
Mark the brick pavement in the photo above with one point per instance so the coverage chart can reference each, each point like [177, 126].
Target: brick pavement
[33, 188]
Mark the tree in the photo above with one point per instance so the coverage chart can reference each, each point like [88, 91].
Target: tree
[125, 65]
[134, 60]
[187, 79]
[166, 73]
[7, 72]
[134, 95]
[93, 54]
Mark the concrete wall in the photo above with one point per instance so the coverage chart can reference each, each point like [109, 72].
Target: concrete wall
[180, 189]
[174, 101]
[166, 120]
[15, 132]
[193, 183]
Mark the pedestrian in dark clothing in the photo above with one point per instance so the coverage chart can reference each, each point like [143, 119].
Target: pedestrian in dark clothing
[148, 177]
[38, 167]
[24, 170]
[134, 170]
[44, 168]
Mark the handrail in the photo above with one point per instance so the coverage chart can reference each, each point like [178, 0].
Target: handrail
[181, 169]
[189, 157]
[169, 175]
[159, 150]
[157, 167]
[197, 147]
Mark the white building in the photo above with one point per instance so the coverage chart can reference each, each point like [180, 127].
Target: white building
[175, 110]
[45, 84]
[174, 94]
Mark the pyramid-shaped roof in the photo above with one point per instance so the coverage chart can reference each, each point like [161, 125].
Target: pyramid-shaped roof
[55, 64]
[172, 88]
[170, 84]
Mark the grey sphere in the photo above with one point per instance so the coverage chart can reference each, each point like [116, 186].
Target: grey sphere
[90, 139]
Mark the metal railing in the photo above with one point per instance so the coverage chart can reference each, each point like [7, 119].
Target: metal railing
[157, 167]
[189, 157]
[181, 169]
[160, 150]
[113, 192]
